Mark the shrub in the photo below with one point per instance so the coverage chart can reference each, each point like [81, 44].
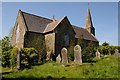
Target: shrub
[29, 56]
[88, 52]
[107, 50]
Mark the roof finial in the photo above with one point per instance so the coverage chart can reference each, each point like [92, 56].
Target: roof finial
[53, 18]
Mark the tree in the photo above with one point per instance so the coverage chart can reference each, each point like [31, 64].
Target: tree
[105, 44]
[88, 52]
[6, 48]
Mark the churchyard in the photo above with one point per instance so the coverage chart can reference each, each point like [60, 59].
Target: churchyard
[106, 67]
[101, 62]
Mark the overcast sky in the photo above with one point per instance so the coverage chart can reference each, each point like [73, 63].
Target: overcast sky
[104, 16]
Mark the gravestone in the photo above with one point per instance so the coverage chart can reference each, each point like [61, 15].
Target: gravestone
[58, 59]
[77, 55]
[64, 56]
[18, 59]
[97, 54]
[117, 54]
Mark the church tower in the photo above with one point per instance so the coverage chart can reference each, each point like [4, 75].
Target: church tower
[88, 25]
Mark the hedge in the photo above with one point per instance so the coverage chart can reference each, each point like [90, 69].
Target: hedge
[108, 50]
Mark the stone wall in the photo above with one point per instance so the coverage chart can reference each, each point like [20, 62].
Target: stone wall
[50, 42]
[22, 29]
[37, 41]
[64, 36]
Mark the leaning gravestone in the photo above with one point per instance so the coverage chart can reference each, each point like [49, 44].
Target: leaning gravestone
[58, 59]
[64, 56]
[77, 55]
[117, 54]
[97, 54]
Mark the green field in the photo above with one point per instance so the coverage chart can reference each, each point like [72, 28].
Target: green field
[106, 67]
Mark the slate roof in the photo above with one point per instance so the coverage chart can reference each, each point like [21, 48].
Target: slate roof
[84, 33]
[39, 24]
[51, 26]
[35, 23]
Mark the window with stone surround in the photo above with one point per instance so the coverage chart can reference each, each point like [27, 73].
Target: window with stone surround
[66, 39]
[17, 33]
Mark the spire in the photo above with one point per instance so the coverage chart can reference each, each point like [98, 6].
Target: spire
[88, 25]
[88, 19]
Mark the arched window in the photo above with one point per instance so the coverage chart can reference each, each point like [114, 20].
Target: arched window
[17, 33]
[66, 39]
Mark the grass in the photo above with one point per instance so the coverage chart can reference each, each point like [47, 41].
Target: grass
[104, 68]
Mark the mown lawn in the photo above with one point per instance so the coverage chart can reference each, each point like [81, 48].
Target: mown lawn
[107, 67]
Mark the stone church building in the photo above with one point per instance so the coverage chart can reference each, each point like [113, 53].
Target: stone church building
[35, 31]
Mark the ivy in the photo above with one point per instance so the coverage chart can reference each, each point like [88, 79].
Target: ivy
[13, 57]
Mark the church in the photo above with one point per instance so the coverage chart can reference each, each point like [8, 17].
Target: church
[50, 35]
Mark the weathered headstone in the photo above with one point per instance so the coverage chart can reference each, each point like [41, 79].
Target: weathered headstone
[18, 59]
[58, 59]
[77, 55]
[48, 55]
[117, 54]
[97, 54]
[64, 56]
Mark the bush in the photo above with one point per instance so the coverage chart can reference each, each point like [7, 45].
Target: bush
[29, 56]
[88, 53]
[107, 50]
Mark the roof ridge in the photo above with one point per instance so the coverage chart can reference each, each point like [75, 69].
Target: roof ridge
[83, 29]
[58, 21]
[77, 26]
